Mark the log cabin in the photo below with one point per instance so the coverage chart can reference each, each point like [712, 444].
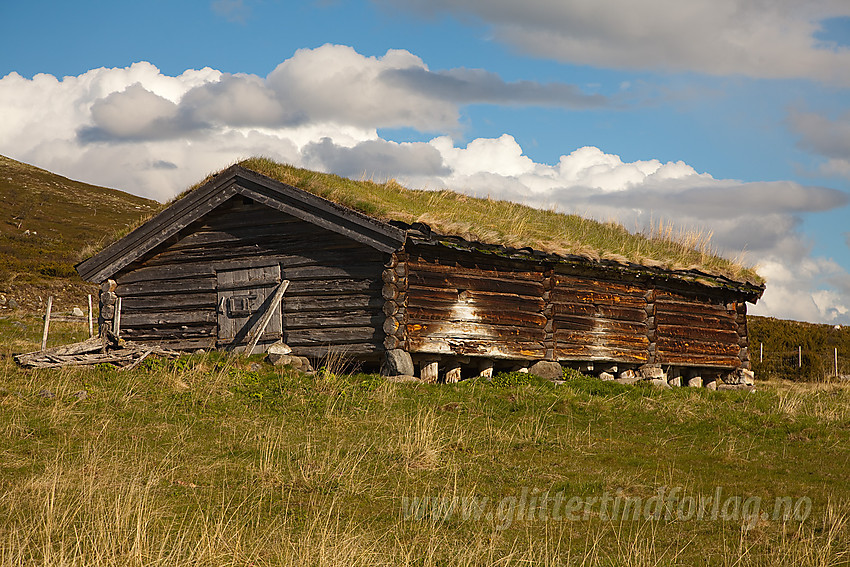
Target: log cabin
[244, 261]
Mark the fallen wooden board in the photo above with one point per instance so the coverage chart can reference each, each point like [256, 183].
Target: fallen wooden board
[96, 350]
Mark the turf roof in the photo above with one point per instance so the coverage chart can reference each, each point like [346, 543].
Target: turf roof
[511, 224]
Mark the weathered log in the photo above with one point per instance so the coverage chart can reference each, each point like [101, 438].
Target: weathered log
[447, 299]
[390, 326]
[476, 347]
[389, 276]
[604, 311]
[334, 336]
[474, 313]
[564, 295]
[693, 307]
[474, 282]
[390, 308]
[696, 321]
[390, 292]
[480, 331]
[156, 318]
[590, 353]
[490, 272]
[684, 347]
[599, 324]
[696, 333]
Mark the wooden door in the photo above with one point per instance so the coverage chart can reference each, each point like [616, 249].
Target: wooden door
[244, 295]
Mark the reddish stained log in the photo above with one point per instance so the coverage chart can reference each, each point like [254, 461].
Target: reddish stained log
[604, 311]
[473, 347]
[599, 324]
[534, 276]
[590, 284]
[697, 333]
[475, 314]
[672, 346]
[694, 307]
[564, 295]
[480, 331]
[696, 321]
[572, 352]
[601, 339]
[474, 282]
[698, 360]
[447, 299]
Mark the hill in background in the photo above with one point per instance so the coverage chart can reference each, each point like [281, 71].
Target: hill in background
[48, 223]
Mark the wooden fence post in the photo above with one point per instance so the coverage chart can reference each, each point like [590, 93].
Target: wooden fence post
[46, 323]
[91, 320]
[117, 319]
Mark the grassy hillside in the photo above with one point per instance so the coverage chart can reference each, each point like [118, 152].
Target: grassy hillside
[511, 224]
[48, 223]
[227, 461]
[798, 351]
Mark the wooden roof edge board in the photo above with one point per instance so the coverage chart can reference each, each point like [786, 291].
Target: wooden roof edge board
[422, 234]
[233, 180]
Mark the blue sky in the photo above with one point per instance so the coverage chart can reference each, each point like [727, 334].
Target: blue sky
[718, 115]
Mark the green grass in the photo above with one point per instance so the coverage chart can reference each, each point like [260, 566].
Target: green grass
[210, 460]
[512, 224]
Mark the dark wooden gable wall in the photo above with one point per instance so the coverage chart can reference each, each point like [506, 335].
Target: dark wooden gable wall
[334, 298]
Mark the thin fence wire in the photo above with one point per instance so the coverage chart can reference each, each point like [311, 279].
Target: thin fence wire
[800, 363]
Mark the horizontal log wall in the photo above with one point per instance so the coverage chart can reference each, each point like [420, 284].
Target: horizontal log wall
[471, 304]
[598, 319]
[333, 300]
[475, 304]
[699, 331]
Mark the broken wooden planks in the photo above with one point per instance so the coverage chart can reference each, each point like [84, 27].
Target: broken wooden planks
[96, 350]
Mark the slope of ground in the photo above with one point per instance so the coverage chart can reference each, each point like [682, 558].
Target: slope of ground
[797, 350]
[48, 223]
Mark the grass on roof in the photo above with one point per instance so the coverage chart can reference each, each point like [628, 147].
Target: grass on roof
[512, 224]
